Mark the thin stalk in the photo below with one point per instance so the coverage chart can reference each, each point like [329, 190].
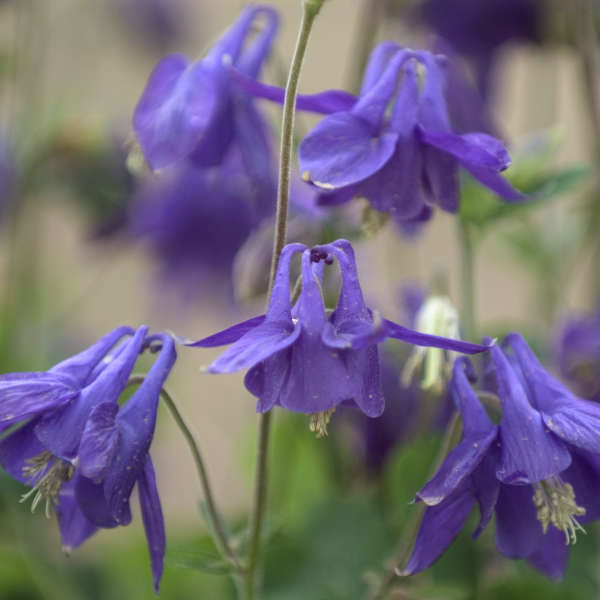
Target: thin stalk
[400, 559]
[468, 311]
[310, 10]
[193, 444]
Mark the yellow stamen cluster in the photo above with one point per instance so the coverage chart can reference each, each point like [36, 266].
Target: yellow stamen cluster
[47, 486]
[319, 421]
[555, 503]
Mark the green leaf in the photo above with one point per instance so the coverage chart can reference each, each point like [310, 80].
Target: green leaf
[203, 556]
[481, 208]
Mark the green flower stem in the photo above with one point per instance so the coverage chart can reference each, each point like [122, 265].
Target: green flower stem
[190, 437]
[400, 559]
[311, 9]
[468, 310]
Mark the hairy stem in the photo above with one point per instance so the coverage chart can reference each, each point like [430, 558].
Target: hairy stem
[310, 10]
[398, 562]
[192, 442]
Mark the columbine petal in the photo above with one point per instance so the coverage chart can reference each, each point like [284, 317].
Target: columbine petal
[17, 447]
[518, 532]
[460, 463]
[25, 394]
[99, 441]
[583, 475]
[569, 417]
[274, 334]
[60, 431]
[397, 187]
[495, 182]
[255, 346]
[530, 452]
[440, 525]
[486, 488]
[551, 556]
[136, 421]
[477, 149]
[378, 61]
[363, 365]
[254, 55]
[227, 336]
[152, 516]
[94, 504]
[74, 527]
[423, 339]
[318, 379]
[81, 366]
[175, 109]
[341, 151]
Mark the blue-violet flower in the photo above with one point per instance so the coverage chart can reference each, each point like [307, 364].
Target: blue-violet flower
[537, 470]
[306, 360]
[78, 449]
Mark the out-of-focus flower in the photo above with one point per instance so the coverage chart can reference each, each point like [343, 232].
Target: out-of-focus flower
[578, 354]
[196, 219]
[438, 316]
[95, 166]
[478, 30]
[405, 161]
[158, 22]
[78, 450]
[306, 361]
[194, 110]
[537, 470]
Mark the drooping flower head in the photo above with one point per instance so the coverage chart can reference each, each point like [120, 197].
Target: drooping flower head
[81, 452]
[306, 360]
[405, 160]
[578, 354]
[193, 110]
[536, 470]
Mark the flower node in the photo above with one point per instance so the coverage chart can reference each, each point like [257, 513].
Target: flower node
[555, 503]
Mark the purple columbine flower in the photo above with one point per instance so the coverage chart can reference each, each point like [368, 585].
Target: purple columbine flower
[578, 354]
[77, 449]
[193, 110]
[306, 360]
[196, 219]
[478, 30]
[406, 160]
[537, 470]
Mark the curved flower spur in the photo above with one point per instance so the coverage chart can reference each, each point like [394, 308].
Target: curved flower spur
[79, 450]
[309, 361]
